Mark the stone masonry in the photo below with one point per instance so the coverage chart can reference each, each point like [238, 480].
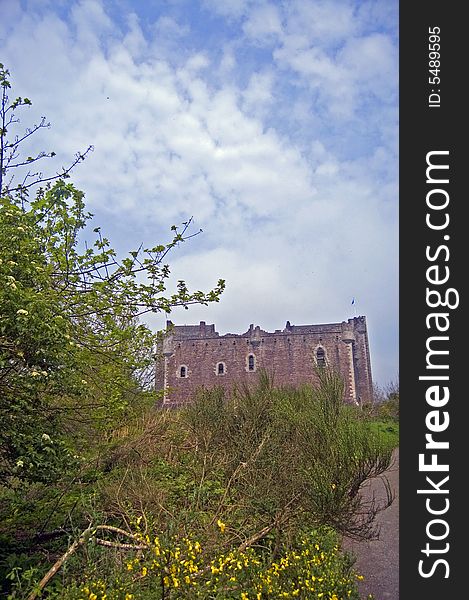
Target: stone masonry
[192, 356]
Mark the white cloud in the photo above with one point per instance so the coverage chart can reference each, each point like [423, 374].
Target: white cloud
[230, 8]
[263, 22]
[258, 96]
[326, 23]
[295, 228]
[373, 62]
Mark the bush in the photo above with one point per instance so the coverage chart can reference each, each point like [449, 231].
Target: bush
[179, 568]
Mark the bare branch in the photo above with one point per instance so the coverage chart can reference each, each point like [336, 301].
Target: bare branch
[87, 533]
[120, 546]
[64, 173]
[56, 566]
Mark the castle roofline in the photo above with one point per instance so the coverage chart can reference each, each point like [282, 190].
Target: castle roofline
[202, 330]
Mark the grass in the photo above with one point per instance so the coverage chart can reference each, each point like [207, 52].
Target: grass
[388, 431]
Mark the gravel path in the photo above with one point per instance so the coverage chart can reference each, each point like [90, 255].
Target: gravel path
[378, 560]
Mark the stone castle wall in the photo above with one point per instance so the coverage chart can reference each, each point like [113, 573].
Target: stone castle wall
[192, 356]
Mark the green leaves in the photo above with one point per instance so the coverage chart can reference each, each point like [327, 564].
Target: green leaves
[4, 74]
[71, 342]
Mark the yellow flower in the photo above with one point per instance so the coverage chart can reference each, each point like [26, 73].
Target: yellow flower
[221, 525]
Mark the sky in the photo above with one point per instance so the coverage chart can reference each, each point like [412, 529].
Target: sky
[274, 124]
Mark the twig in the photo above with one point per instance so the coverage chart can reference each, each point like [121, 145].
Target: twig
[241, 465]
[256, 537]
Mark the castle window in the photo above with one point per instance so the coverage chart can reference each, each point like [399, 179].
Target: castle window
[221, 368]
[320, 357]
[183, 371]
[251, 362]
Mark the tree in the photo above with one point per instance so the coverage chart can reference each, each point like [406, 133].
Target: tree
[10, 159]
[71, 343]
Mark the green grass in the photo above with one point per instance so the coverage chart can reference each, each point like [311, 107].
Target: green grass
[388, 430]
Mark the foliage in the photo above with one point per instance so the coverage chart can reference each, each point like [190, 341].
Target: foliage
[388, 430]
[174, 567]
[386, 402]
[70, 341]
[389, 409]
[290, 456]
[250, 477]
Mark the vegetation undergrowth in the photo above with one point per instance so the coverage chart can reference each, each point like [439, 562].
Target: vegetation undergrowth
[245, 496]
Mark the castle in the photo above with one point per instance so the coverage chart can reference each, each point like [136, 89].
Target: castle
[192, 356]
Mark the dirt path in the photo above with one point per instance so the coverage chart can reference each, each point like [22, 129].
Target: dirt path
[378, 560]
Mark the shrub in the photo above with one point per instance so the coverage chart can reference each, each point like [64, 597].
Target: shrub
[179, 568]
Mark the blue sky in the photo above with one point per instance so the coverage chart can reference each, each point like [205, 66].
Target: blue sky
[273, 123]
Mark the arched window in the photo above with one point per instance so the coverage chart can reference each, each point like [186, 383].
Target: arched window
[183, 371]
[320, 357]
[251, 362]
[220, 368]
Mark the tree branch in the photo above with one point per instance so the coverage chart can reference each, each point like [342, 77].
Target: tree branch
[56, 566]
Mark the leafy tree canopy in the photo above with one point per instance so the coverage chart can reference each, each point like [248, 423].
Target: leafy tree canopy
[73, 353]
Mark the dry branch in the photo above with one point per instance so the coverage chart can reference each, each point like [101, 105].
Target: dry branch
[56, 566]
[87, 533]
